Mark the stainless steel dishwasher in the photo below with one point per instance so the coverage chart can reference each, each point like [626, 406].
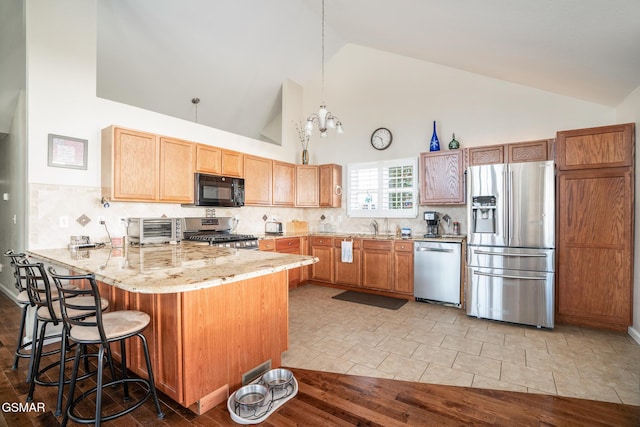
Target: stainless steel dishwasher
[436, 271]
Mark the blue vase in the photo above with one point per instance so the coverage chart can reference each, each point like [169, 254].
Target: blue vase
[434, 145]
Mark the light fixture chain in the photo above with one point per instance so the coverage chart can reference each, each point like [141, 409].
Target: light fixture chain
[323, 98]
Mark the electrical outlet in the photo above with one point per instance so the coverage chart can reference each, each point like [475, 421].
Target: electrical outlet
[101, 220]
[122, 219]
[64, 221]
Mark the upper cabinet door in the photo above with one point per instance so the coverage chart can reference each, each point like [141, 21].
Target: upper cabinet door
[601, 147]
[490, 155]
[284, 183]
[232, 163]
[209, 159]
[129, 164]
[330, 185]
[530, 151]
[442, 178]
[258, 177]
[177, 160]
[307, 185]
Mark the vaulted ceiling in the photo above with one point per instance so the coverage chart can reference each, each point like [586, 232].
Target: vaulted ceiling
[234, 54]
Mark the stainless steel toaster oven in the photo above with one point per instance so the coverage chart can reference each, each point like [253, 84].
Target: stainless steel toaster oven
[144, 231]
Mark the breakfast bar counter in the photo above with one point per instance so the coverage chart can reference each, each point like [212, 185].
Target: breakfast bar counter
[160, 269]
[219, 316]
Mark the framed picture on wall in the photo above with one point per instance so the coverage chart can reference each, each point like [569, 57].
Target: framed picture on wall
[67, 152]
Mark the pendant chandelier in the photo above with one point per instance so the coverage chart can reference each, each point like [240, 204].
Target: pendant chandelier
[323, 118]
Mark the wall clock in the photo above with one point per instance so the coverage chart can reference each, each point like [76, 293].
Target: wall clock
[381, 138]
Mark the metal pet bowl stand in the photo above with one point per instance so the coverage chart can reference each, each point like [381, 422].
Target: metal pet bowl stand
[276, 397]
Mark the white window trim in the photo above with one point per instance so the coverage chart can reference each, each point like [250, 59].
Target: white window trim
[379, 211]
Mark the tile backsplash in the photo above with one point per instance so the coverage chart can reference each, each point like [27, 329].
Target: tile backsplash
[54, 210]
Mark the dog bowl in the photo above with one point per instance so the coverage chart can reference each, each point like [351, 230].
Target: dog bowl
[250, 396]
[277, 379]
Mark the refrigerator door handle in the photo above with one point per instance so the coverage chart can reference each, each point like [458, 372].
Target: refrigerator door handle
[510, 218]
[507, 276]
[505, 207]
[433, 250]
[536, 255]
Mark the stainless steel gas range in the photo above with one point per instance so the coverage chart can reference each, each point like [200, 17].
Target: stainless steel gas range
[217, 231]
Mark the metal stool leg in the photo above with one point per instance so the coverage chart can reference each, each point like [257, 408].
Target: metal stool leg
[72, 385]
[19, 346]
[152, 382]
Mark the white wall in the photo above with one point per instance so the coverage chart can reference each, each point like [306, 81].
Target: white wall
[61, 80]
[367, 89]
[629, 111]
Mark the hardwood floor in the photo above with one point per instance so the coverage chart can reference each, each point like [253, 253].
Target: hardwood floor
[330, 399]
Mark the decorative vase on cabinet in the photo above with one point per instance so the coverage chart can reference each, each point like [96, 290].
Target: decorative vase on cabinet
[434, 145]
[305, 157]
[454, 144]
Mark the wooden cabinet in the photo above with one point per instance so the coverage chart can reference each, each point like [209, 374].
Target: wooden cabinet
[517, 152]
[403, 267]
[129, 165]
[232, 163]
[330, 185]
[177, 160]
[258, 178]
[307, 185]
[284, 184]
[377, 264]
[593, 148]
[486, 155]
[349, 273]
[442, 178]
[290, 245]
[322, 248]
[268, 245]
[208, 159]
[595, 214]
[139, 166]
[217, 161]
[530, 151]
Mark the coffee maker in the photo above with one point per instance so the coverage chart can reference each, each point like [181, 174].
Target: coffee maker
[432, 224]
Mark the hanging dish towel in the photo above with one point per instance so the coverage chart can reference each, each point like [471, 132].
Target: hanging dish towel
[347, 251]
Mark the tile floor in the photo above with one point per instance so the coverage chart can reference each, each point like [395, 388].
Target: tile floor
[437, 344]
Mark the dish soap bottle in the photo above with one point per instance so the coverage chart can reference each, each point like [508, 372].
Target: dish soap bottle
[454, 144]
[434, 145]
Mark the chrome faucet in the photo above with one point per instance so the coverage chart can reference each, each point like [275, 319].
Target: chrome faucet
[374, 224]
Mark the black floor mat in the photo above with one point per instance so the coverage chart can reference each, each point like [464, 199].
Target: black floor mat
[371, 299]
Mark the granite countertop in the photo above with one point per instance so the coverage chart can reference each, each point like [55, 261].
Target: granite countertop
[161, 269]
[458, 238]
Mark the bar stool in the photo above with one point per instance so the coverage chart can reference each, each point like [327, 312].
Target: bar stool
[47, 304]
[102, 329]
[23, 300]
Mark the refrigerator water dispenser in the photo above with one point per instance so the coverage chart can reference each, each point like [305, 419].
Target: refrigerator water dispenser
[483, 214]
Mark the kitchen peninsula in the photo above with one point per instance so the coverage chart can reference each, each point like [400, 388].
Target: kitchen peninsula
[218, 314]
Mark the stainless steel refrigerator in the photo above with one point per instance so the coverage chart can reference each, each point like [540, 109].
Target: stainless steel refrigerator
[511, 242]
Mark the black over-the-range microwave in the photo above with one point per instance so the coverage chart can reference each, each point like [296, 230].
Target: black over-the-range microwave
[221, 191]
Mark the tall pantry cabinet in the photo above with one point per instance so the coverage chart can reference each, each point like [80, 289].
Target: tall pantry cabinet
[595, 232]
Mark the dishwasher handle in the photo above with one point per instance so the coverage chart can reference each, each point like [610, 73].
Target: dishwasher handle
[434, 250]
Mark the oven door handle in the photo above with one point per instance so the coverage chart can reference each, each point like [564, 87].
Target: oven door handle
[536, 255]
[508, 276]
